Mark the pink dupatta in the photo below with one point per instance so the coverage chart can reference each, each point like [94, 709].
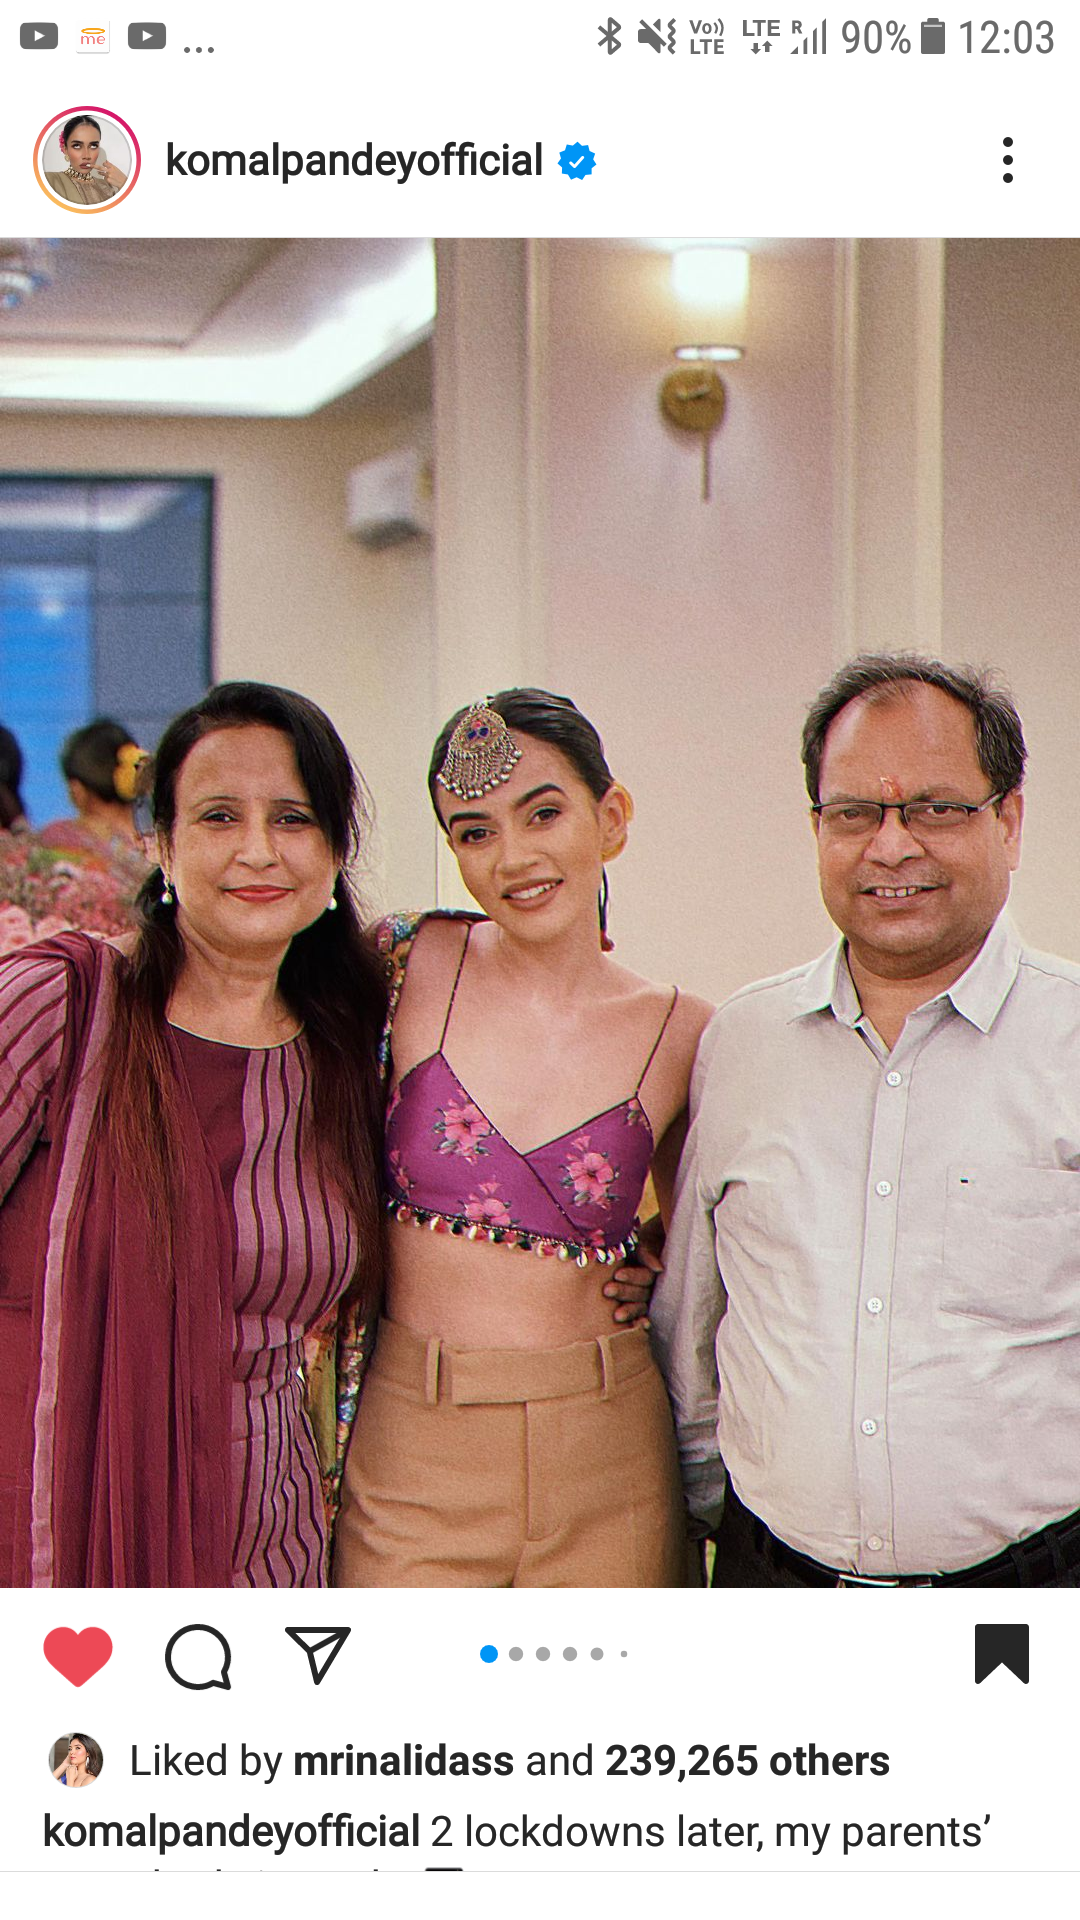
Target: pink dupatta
[132, 1370]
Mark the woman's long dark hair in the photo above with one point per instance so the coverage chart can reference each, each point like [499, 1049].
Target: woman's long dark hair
[330, 978]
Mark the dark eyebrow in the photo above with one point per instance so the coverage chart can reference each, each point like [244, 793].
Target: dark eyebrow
[525, 801]
[535, 792]
[236, 800]
[939, 790]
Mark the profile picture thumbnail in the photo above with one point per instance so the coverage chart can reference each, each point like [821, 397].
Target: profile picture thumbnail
[87, 159]
[76, 1760]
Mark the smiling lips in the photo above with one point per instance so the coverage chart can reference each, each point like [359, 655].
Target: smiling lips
[896, 893]
[530, 895]
[259, 895]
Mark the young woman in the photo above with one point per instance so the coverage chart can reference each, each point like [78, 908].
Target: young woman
[89, 177]
[508, 1433]
[83, 1763]
[187, 1147]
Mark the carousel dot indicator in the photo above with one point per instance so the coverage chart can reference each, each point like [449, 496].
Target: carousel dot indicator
[488, 1654]
[515, 1653]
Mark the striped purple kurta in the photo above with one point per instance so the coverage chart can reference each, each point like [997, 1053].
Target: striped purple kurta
[294, 1255]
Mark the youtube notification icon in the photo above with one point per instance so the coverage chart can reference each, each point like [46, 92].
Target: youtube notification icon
[39, 36]
[146, 36]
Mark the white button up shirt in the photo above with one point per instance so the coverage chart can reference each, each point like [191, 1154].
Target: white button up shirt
[870, 1308]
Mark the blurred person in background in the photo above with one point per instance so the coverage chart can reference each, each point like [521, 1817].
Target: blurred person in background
[100, 763]
[12, 807]
[82, 872]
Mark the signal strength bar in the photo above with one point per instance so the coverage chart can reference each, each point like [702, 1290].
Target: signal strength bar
[814, 42]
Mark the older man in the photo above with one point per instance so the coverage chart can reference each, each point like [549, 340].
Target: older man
[870, 1310]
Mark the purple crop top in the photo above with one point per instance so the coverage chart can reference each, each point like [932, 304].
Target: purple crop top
[449, 1168]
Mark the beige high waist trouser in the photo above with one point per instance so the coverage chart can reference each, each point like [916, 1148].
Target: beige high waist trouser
[511, 1468]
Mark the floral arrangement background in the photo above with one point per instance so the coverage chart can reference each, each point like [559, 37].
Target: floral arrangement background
[43, 891]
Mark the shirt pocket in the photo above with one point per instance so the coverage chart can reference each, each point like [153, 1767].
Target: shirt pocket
[1012, 1247]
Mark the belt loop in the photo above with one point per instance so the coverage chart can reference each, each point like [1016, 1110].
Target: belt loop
[607, 1368]
[431, 1372]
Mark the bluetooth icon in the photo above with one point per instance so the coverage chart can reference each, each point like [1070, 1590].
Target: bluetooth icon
[609, 36]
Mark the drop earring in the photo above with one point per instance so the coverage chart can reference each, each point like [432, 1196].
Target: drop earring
[167, 895]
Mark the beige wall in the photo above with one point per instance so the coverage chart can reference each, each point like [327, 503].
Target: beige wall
[900, 466]
[296, 600]
[901, 459]
[694, 632]
[1012, 530]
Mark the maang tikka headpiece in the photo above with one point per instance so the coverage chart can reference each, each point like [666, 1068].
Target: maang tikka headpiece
[481, 754]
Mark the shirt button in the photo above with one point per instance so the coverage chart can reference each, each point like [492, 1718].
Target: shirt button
[874, 1305]
[869, 1426]
[875, 1543]
[884, 1188]
[894, 1079]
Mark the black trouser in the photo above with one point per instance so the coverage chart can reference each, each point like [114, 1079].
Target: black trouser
[747, 1555]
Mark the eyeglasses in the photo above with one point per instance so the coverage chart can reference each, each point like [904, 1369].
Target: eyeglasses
[924, 819]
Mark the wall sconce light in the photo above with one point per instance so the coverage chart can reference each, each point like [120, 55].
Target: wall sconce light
[710, 285]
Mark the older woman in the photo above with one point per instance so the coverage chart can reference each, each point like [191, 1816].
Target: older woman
[186, 1143]
[508, 1433]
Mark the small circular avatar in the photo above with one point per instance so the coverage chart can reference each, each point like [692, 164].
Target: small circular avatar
[90, 176]
[87, 159]
[77, 1760]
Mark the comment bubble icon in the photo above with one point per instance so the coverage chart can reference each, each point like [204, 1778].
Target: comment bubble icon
[198, 1657]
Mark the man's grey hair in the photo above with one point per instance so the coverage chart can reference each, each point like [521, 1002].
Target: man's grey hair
[999, 737]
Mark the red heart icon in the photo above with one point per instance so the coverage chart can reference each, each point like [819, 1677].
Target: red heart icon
[78, 1656]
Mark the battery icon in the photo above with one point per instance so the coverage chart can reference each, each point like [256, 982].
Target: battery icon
[932, 36]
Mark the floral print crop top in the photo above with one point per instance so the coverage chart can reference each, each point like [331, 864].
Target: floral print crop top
[449, 1168]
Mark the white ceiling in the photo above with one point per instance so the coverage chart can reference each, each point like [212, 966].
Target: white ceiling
[214, 326]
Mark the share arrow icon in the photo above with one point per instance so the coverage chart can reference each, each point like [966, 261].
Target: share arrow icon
[322, 1646]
